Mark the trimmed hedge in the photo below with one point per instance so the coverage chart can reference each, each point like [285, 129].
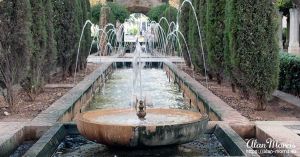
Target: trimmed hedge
[289, 76]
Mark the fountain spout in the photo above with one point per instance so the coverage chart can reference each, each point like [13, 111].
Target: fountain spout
[140, 109]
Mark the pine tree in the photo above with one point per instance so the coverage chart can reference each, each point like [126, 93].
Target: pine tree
[252, 51]
[215, 36]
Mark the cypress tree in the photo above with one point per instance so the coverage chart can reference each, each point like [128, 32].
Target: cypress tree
[184, 29]
[87, 32]
[15, 43]
[202, 17]
[252, 51]
[59, 32]
[39, 34]
[194, 39]
[215, 36]
[66, 34]
[80, 24]
[51, 50]
[72, 35]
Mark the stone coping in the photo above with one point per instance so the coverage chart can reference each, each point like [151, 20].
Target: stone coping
[287, 97]
[11, 134]
[231, 141]
[61, 106]
[218, 106]
[279, 131]
[48, 143]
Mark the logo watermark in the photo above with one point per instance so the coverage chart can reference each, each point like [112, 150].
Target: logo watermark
[270, 146]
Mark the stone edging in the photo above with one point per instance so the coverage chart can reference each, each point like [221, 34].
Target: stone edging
[60, 107]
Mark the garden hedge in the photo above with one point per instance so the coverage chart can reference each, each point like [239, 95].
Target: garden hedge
[289, 76]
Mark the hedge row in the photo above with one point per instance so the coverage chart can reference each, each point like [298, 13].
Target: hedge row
[239, 41]
[289, 76]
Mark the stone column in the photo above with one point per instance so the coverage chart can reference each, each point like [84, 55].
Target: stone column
[280, 14]
[294, 32]
[104, 20]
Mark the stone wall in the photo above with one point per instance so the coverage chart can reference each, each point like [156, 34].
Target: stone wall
[142, 6]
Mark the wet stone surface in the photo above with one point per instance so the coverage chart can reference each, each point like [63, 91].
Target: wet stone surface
[76, 145]
[22, 149]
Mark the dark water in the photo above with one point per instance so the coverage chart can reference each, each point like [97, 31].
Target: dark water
[159, 92]
[76, 145]
[22, 149]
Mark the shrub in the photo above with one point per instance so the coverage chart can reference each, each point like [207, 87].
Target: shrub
[289, 76]
[118, 12]
[155, 13]
[252, 54]
[284, 6]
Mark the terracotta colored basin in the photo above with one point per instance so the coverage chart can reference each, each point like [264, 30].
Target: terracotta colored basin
[115, 127]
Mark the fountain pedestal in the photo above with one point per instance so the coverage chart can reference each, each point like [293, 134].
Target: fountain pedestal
[123, 128]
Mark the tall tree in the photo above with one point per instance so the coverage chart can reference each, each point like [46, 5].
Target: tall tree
[252, 51]
[87, 32]
[194, 38]
[71, 25]
[215, 36]
[51, 50]
[15, 43]
[66, 34]
[35, 81]
[183, 27]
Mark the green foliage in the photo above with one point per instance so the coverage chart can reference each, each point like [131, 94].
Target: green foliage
[215, 36]
[66, 33]
[252, 52]
[184, 28]
[155, 13]
[95, 11]
[118, 12]
[194, 38]
[284, 6]
[39, 35]
[170, 13]
[86, 9]
[15, 43]
[289, 80]
[51, 50]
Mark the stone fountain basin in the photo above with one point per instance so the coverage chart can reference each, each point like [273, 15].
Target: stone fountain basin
[121, 127]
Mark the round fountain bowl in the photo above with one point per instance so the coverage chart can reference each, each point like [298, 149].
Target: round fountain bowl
[122, 127]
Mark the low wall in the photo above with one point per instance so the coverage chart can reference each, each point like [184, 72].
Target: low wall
[203, 99]
[66, 108]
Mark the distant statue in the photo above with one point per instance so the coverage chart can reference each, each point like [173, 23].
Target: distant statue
[140, 107]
